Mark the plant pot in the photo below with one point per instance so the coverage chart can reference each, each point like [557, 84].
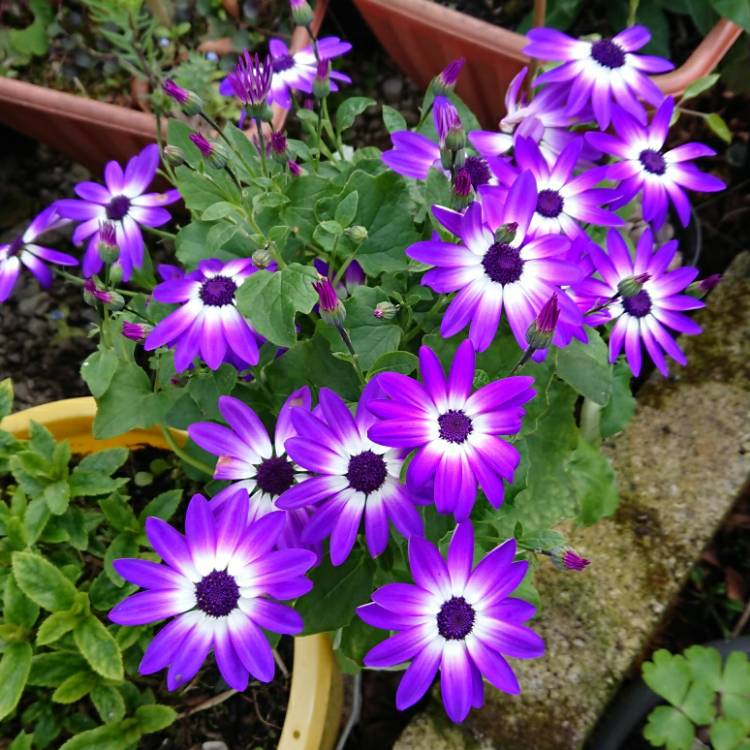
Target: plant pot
[422, 37]
[92, 132]
[315, 698]
[634, 703]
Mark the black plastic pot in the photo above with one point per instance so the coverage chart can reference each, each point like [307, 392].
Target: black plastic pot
[633, 703]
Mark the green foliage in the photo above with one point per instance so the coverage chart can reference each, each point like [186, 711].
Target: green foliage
[702, 693]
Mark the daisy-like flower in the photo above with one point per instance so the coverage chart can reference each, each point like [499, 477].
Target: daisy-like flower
[600, 73]
[215, 582]
[563, 199]
[25, 251]
[355, 477]
[647, 299]
[251, 462]
[542, 119]
[645, 166]
[208, 322]
[124, 201]
[453, 429]
[455, 617]
[412, 155]
[509, 270]
[296, 72]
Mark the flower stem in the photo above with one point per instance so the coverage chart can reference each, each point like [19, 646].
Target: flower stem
[160, 232]
[355, 359]
[196, 463]
[261, 146]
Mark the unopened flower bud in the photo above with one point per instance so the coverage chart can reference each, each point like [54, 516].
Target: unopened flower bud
[294, 168]
[462, 183]
[566, 558]
[107, 245]
[445, 81]
[213, 152]
[539, 333]
[330, 307]
[702, 287]
[506, 233]
[135, 331]
[632, 285]
[115, 273]
[262, 258]
[321, 82]
[174, 155]
[455, 138]
[190, 103]
[93, 293]
[302, 13]
[356, 233]
[278, 144]
[385, 311]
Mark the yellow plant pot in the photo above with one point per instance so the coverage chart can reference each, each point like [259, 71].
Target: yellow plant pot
[315, 699]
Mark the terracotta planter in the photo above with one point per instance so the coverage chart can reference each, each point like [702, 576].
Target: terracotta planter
[422, 37]
[93, 132]
[314, 710]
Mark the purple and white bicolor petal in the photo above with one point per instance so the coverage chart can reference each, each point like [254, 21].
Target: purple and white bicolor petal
[215, 582]
[456, 619]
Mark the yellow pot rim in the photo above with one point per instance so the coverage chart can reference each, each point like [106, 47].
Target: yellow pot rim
[315, 698]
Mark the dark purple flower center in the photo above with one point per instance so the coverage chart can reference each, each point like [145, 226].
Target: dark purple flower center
[118, 207]
[549, 203]
[639, 305]
[653, 161]
[608, 54]
[366, 472]
[217, 593]
[275, 475]
[478, 171]
[455, 619]
[502, 263]
[218, 291]
[282, 62]
[15, 247]
[455, 426]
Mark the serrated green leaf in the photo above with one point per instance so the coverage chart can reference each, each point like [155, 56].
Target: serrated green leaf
[621, 405]
[108, 702]
[50, 669]
[119, 514]
[162, 506]
[393, 119]
[667, 727]
[123, 545]
[154, 718]
[99, 648]
[57, 496]
[349, 110]
[75, 687]
[18, 609]
[594, 483]
[42, 582]
[119, 735]
[35, 519]
[105, 462]
[14, 671]
[56, 626]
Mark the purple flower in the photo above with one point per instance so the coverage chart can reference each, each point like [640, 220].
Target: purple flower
[176, 92]
[329, 300]
[297, 72]
[355, 477]
[91, 288]
[25, 251]
[135, 331]
[123, 201]
[250, 81]
[446, 117]
[510, 271]
[456, 617]
[202, 144]
[215, 582]
[563, 199]
[573, 561]
[645, 165]
[543, 120]
[208, 322]
[251, 462]
[453, 428]
[600, 73]
[412, 155]
[446, 79]
[646, 316]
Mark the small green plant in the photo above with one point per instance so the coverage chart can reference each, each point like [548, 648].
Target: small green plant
[709, 701]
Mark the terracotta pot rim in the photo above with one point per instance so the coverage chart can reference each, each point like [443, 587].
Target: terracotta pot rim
[314, 709]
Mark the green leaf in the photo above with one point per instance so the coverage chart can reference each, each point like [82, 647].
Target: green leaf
[162, 506]
[347, 209]
[271, 300]
[154, 718]
[104, 462]
[726, 734]
[14, 671]
[698, 87]
[98, 369]
[35, 519]
[586, 368]
[99, 648]
[699, 704]
[736, 675]
[50, 669]
[75, 687]
[129, 403]
[56, 626]
[349, 109]
[621, 405]
[393, 119]
[92, 483]
[57, 496]
[119, 514]
[717, 124]
[108, 702]
[668, 727]
[403, 362]
[123, 545]
[668, 675]
[594, 483]
[737, 11]
[33, 39]
[120, 735]
[705, 665]
[22, 741]
[6, 397]
[42, 582]
[18, 609]
[219, 210]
